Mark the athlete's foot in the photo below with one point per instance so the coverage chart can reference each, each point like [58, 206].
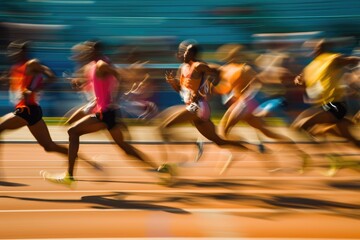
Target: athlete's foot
[200, 147]
[168, 173]
[63, 178]
[227, 164]
[275, 170]
[335, 165]
[96, 166]
[261, 148]
[305, 163]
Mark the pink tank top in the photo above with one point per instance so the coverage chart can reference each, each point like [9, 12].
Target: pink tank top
[103, 88]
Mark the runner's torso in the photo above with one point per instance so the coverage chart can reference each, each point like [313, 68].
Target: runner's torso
[323, 79]
[19, 82]
[190, 81]
[104, 87]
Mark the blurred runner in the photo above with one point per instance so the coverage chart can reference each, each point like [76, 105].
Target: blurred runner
[104, 78]
[138, 88]
[27, 78]
[250, 96]
[322, 79]
[86, 87]
[191, 86]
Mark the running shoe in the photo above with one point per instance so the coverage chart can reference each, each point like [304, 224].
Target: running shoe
[261, 148]
[200, 147]
[168, 173]
[305, 163]
[335, 165]
[64, 178]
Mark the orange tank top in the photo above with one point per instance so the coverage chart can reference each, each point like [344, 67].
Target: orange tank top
[19, 82]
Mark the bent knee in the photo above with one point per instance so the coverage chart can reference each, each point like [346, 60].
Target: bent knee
[50, 147]
[72, 131]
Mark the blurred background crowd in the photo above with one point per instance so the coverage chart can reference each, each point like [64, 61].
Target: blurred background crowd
[270, 33]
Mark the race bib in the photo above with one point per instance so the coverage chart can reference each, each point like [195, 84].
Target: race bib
[193, 107]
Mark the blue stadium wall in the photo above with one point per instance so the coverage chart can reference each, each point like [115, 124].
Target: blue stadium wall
[156, 27]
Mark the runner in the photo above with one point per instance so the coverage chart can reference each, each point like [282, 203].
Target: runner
[138, 88]
[104, 78]
[190, 85]
[322, 79]
[250, 96]
[27, 78]
[86, 88]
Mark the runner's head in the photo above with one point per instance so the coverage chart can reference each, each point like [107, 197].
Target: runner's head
[191, 53]
[86, 51]
[18, 50]
[318, 46]
[230, 53]
[182, 48]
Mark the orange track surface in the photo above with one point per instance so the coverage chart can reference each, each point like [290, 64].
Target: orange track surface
[247, 202]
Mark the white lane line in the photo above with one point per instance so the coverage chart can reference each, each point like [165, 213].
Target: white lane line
[211, 178]
[61, 167]
[248, 191]
[189, 238]
[192, 210]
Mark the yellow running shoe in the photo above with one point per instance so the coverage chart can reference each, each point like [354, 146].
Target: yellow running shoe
[168, 173]
[305, 163]
[64, 178]
[335, 165]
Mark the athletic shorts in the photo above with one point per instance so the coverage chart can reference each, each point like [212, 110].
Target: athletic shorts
[273, 104]
[338, 109]
[244, 107]
[108, 117]
[31, 113]
[201, 109]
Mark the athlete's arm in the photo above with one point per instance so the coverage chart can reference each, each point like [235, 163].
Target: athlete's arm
[212, 70]
[169, 76]
[80, 80]
[34, 67]
[222, 87]
[103, 69]
[299, 79]
[343, 61]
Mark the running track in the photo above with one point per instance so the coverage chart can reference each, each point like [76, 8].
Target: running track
[125, 201]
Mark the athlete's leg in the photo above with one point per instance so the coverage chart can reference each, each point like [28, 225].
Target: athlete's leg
[11, 121]
[179, 115]
[208, 130]
[116, 134]
[237, 112]
[77, 115]
[319, 117]
[85, 125]
[224, 126]
[88, 124]
[305, 116]
[340, 129]
[41, 133]
[258, 123]
[166, 113]
[343, 127]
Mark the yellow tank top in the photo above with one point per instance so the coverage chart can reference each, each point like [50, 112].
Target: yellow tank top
[323, 79]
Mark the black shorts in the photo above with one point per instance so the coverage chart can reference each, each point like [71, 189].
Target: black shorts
[31, 113]
[338, 109]
[108, 117]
